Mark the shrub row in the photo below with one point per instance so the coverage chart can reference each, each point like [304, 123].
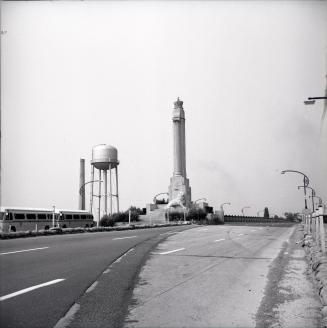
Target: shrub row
[197, 215]
[110, 220]
[59, 231]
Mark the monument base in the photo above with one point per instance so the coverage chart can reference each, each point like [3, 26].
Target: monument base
[178, 185]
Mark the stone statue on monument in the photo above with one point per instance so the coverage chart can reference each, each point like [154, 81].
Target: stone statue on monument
[178, 201]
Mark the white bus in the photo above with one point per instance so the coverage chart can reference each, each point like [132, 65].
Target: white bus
[25, 219]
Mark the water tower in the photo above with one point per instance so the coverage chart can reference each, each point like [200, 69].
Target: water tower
[104, 159]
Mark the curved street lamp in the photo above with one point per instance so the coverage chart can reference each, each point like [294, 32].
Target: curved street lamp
[222, 205]
[199, 199]
[80, 189]
[155, 197]
[314, 196]
[313, 193]
[305, 184]
[245, 208]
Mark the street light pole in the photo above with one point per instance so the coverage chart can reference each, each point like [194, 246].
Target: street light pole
[313, 193]
[53, 216]
[305, 184]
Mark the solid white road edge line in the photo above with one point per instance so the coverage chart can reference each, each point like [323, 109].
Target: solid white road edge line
[68, 318]
[24, 250]
[119, 238]
[26, 290]
[173, 251]
[219, 240]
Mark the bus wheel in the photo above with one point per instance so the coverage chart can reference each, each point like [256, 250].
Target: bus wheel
[64, 226]
[13, 228]
[46, 227]
[86, 226]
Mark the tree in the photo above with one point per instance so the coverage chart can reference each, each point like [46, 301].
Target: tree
[266, 213]
[292, 216]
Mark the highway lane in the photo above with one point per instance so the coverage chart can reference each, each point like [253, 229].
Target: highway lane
[76, 259]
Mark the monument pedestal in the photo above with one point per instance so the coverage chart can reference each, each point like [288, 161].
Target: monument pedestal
[180, 185]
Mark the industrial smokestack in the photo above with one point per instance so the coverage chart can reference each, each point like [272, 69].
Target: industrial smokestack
[81, 203]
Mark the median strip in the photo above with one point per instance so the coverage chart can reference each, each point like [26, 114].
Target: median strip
[24, 250]
[173, 251]
[26, 290]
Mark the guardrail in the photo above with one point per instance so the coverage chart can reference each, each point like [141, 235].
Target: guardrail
[314, 227]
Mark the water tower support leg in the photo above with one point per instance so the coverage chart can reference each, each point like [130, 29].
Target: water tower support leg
[110, 186]
[117, 189]
[105, 191]
[98, 223]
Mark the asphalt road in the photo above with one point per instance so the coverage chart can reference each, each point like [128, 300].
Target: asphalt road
[43, 277]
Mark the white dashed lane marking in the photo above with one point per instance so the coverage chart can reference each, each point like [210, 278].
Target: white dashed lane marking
[26, 290]
[173, 251]
[120, 238]
[219, 240]
[24, 250]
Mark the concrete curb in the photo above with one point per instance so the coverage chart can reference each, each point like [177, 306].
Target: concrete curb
[60, 231]
[318, 268]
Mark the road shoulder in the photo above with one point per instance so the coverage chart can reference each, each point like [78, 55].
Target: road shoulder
[290, 297]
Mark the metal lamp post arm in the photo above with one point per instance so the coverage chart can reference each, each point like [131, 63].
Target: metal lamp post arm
[222, 205]
[80, 189]
[305, 184]
[161, 193]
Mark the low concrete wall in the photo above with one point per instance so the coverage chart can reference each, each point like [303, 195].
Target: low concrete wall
[237, 218]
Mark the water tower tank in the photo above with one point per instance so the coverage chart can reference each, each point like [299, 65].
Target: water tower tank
[103, 156]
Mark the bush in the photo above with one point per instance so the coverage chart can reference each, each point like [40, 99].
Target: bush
[135, 213]
[107, 221]
[175, 216]
[196, 214]
[214, 219]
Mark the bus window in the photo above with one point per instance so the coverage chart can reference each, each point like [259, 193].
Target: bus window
[42, 216]
[10, 216]
[76, 217]
[19, 216]
[2, 216]
[68, 216]
[31, 216]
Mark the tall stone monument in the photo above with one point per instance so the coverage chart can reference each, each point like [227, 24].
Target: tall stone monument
[179, 188]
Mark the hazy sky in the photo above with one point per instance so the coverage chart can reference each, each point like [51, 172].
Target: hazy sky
[76, 74]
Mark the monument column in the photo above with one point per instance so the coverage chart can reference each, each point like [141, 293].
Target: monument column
[179, 184]
[178, 167]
